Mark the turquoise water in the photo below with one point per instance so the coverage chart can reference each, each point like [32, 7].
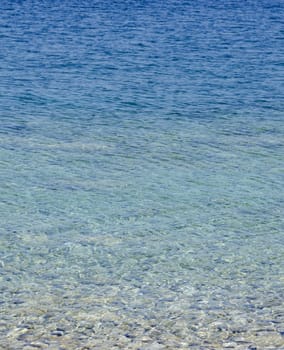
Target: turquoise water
[141, 184]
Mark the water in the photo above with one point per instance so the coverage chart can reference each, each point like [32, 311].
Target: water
[141, 175]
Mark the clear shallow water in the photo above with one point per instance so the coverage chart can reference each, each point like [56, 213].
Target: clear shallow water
[141, 175]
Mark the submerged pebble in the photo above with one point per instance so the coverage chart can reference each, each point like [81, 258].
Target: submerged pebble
[58, 333]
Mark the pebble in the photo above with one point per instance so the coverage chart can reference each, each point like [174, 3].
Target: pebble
[145, 339]
[153, 346]
[131, 336]
[14, 333]
[38, 345]
[58, 333]
[229, 345]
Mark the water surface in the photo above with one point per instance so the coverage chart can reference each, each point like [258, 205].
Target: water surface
[141, 154]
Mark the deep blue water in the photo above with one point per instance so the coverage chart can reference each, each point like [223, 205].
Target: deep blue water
[141, 183]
